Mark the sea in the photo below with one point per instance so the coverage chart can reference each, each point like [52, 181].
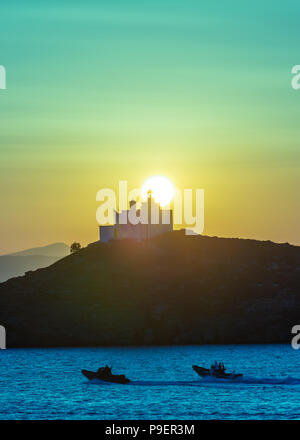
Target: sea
[47, 384]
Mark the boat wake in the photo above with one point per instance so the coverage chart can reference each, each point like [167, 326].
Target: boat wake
[289, 380]
[254, 380]
[208, 381]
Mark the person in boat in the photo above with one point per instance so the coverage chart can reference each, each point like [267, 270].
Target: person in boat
[221, 368]
[104, 371]
[217, 368]
[107, 371]
[214, 368]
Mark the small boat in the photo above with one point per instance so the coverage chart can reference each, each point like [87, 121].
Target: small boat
[104, 373]
[219, 374]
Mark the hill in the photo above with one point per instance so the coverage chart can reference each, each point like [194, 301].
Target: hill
[173, 289]
[18, 263]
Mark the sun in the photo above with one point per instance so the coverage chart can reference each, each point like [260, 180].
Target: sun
[162, 189]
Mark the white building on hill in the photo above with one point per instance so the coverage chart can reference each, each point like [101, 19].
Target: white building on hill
[151, 221]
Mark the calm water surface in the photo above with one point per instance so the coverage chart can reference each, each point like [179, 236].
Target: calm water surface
[47, 383]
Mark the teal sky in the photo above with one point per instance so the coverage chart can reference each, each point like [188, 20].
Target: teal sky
[100, 91]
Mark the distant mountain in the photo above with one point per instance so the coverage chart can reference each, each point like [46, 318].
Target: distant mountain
[18, 263]
[172, 289]
[58, 250]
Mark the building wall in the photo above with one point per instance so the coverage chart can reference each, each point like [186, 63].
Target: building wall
[106, 233]
[139, 231]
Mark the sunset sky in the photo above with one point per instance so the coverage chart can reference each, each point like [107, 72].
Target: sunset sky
[109, 90]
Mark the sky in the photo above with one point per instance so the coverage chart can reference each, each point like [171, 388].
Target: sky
[109, 90]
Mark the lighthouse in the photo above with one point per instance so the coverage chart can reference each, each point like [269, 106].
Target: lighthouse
[149, 200]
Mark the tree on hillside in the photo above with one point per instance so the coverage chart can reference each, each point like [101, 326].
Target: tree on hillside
[75, 247]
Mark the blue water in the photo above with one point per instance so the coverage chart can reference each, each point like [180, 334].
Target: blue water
[48, 384]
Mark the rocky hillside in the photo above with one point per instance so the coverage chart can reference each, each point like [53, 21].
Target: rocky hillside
[174, 289]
